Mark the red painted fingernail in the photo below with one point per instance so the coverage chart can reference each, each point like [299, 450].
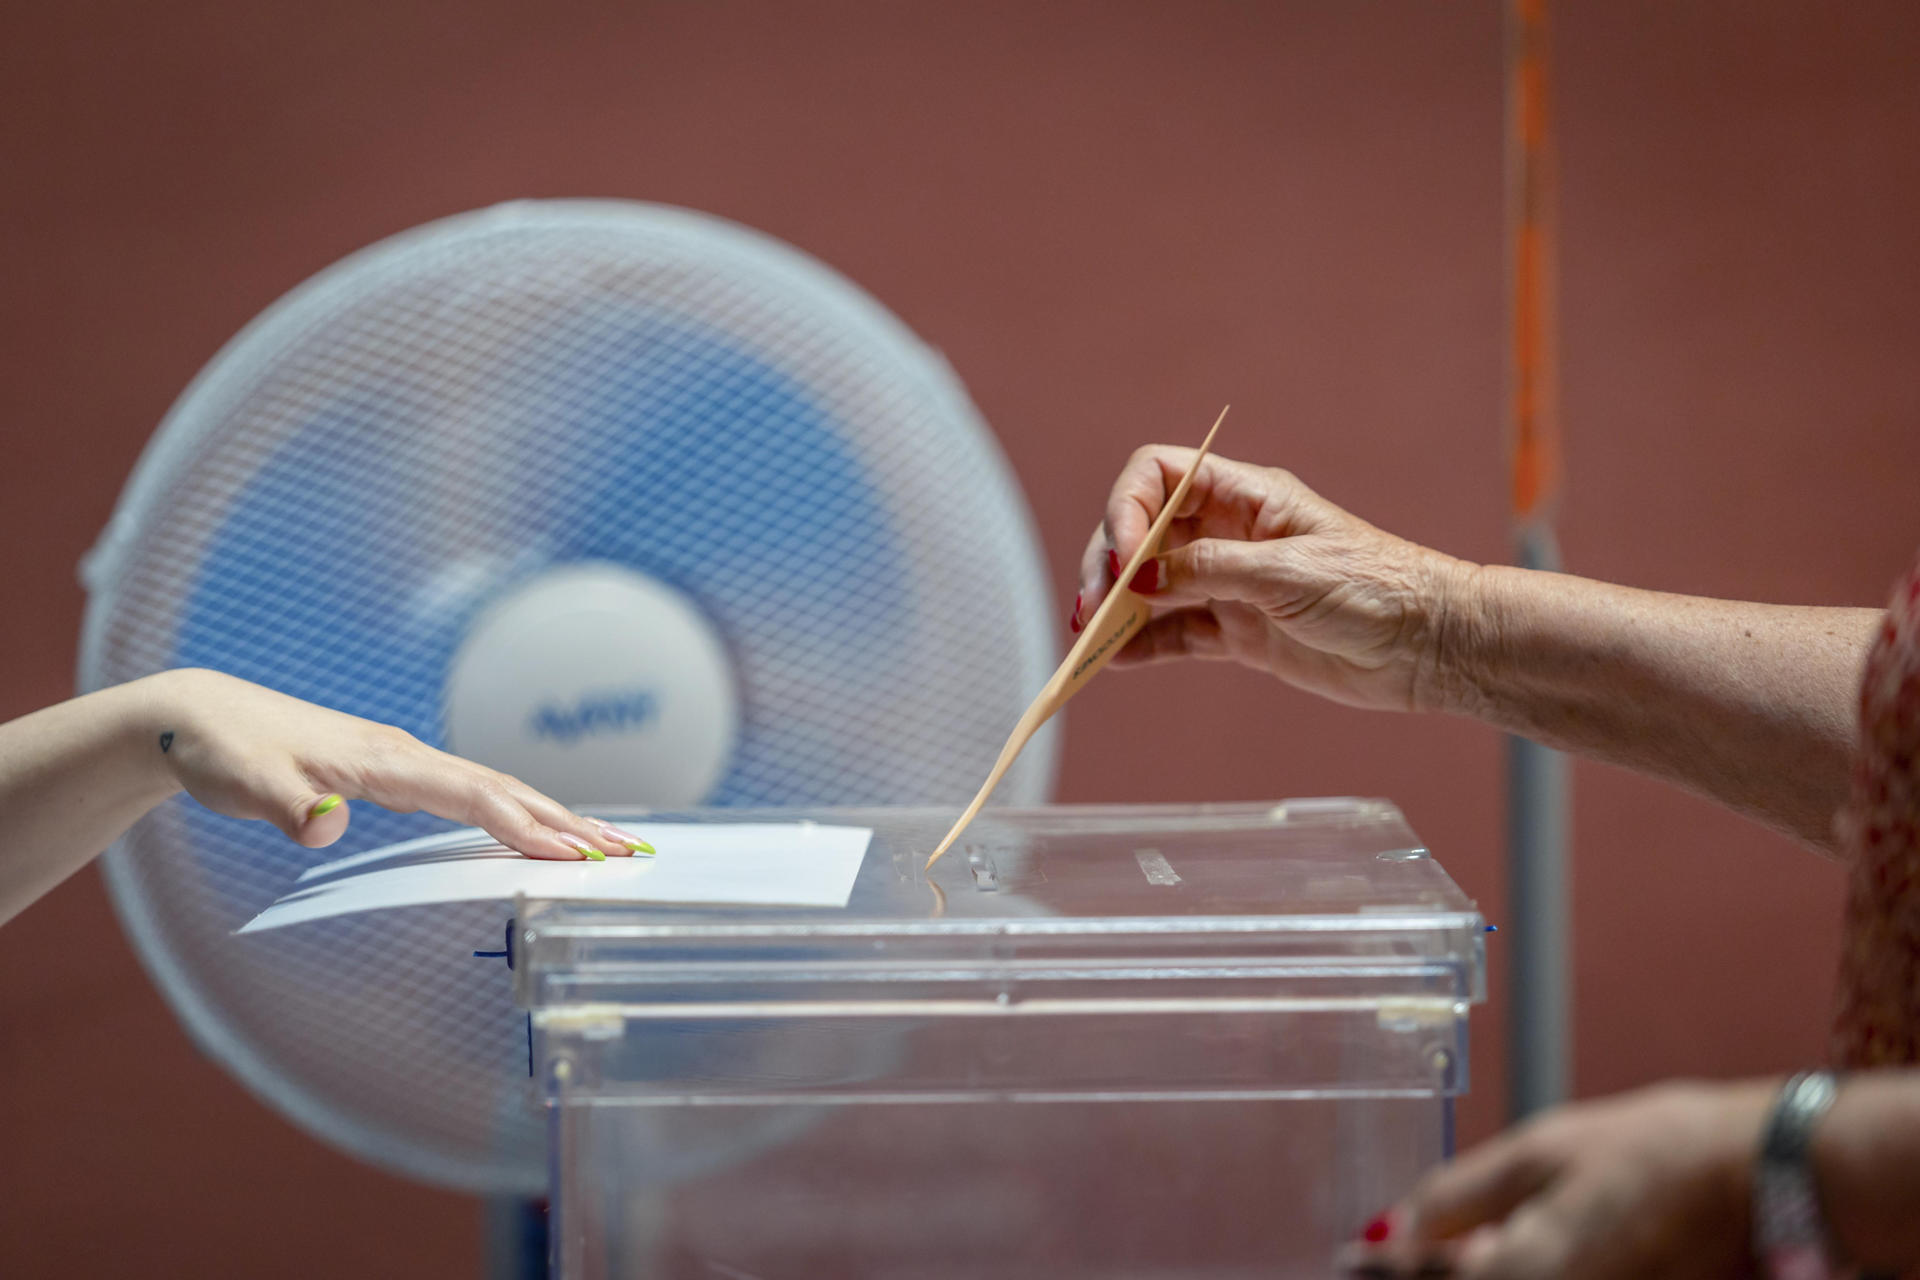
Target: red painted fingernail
[1377, 1231]
[1113, 563]
[1146, 579]
[1073, 619]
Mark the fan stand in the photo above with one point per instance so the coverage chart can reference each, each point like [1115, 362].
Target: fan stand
[515, 1235]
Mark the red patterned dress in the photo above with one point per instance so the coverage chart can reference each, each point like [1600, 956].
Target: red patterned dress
[1877, 1022]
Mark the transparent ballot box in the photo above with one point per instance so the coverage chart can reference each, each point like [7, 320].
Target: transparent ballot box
[1193, 1041]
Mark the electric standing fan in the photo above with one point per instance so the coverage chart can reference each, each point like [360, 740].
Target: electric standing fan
[640, 505]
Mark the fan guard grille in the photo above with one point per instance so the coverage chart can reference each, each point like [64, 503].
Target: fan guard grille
[433, 421]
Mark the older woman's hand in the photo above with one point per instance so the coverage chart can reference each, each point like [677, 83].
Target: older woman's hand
[1752, 704]
[1652, 1183]
[1260, 569]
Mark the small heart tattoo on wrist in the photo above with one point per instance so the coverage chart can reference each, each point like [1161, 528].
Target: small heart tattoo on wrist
[166, 742]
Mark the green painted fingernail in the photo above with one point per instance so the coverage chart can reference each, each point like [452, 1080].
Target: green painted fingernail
[640, 846]
[327, 805]
[594, 855]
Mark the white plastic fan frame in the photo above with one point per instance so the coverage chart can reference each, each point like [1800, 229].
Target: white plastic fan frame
[205, 403]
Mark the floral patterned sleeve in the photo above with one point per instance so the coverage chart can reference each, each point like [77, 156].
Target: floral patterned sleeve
[1877, 1022]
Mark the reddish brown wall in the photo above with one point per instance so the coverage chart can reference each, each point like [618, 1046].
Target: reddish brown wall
[1112, 217]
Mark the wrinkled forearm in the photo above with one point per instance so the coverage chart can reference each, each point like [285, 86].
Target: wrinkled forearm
[1752, 705]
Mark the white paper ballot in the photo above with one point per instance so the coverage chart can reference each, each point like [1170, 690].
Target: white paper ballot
[792, 864]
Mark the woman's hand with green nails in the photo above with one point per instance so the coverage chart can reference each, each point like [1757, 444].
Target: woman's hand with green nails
[76, 775]
[249, 752]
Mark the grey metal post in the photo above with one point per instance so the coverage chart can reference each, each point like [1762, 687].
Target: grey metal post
[1539, 939]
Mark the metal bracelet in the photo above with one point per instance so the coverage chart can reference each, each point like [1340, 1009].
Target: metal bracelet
[1789, 1230]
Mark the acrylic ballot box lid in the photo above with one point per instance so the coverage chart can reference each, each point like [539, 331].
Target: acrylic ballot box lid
[1067, 952]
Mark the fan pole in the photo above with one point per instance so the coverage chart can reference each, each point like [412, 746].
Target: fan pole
[1538, 785]
[515, 1234]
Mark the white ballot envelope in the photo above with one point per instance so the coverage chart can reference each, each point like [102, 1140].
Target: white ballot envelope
[799, 864]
